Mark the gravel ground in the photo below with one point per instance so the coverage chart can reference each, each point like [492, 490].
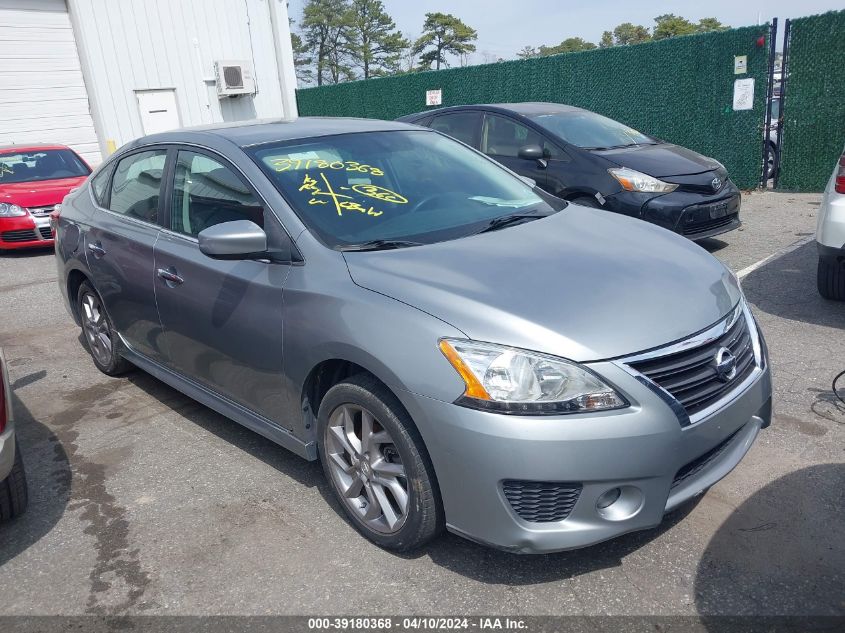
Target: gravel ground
[144, 502]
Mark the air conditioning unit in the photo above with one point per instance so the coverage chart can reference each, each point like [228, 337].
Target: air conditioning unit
[234, 78]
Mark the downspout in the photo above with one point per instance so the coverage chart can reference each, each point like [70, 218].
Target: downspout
[284, 56]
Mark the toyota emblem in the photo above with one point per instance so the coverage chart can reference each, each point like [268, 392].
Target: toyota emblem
[716, 183]
[725, 364]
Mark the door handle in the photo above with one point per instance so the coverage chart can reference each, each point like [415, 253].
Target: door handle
[169, 276]
[98, 250]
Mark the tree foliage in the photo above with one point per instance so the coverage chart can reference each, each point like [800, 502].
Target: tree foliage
[301, 59]
[443, 34]
[376, 43]
[327, 32]
[569, 45]
[627, 33]
[671, 25]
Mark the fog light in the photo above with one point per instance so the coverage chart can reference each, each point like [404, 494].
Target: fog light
[608, 498]
[620, 504]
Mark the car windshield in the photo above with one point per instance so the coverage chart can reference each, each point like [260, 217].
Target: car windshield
[47, 164]
[418, 186]
[590, 130]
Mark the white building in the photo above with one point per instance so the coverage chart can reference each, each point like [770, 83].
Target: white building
[95, 74]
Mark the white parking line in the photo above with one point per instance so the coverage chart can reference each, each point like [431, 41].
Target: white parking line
[788, 249]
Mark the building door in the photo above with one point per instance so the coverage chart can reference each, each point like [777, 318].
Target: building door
[158, 110]
[43, 97]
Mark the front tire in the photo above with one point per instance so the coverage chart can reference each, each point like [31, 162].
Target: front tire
[830, 279]
[771, 161]
[101, 340]
[13, 493]
[377, 465]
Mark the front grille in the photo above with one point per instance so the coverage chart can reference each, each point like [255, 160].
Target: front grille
[700, 463]
[20, 235]
[541, 501]
[46, 232]
[709, 225]
[41, 212]
[690, 376]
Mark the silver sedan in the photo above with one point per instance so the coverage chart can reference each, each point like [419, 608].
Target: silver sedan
[459, 349]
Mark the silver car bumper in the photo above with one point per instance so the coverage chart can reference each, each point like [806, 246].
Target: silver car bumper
[7, 437]
[656, 462]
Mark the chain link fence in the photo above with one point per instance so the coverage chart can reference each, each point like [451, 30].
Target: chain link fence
[814, 104]
[679, 89]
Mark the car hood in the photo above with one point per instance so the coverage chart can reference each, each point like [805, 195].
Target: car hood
[661, 160]
[583, 284]
[40, 193]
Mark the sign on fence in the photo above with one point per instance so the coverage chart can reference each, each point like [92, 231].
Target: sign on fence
[433, 97]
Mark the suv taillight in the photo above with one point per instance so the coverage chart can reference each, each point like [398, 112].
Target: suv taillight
[3, 412]
[840, 176]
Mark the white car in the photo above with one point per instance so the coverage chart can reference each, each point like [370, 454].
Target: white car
[830, 236]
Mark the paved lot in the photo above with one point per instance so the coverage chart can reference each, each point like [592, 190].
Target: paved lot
[143, 501]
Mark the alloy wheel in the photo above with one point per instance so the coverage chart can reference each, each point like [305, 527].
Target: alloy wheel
[96, 328]
[367, 469]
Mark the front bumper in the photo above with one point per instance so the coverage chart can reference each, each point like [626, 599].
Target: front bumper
[27, 231]
[641, 450]
[694, 215]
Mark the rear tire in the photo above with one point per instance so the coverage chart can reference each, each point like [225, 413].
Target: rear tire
[385, 483]
[830, 279]
[101, 340]
[13, 493]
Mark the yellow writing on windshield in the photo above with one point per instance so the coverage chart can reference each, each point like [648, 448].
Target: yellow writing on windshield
[379, 193]
[342, 202]
[284, 164]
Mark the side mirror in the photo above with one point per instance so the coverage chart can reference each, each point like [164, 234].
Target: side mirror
[531, 152]
[240, 239]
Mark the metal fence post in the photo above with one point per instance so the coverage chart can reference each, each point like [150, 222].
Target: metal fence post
[773, 34]
[784, 78]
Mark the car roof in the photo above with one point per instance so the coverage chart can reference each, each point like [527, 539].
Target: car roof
[257, 132]
[527, 108]
[21, 149]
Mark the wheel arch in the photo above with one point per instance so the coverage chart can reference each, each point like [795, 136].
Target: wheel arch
[330, 371]
[75, 278]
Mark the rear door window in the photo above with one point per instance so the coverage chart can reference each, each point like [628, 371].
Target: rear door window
[463, 126]
[136, 185]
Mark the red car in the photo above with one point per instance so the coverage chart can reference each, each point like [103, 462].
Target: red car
[33, 180]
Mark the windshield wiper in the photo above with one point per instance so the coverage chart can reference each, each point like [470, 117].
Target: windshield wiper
[507, 220]
[379, 245]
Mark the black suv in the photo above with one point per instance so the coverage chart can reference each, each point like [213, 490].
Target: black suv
[595, 161]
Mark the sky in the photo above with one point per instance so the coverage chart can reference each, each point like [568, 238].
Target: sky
[506, 26]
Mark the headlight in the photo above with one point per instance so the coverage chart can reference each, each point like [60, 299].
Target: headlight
[8, 210]
[632, 180]
[509, 380]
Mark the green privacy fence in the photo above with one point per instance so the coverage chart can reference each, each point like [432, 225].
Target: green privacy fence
[814, 104]
[679, 89]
